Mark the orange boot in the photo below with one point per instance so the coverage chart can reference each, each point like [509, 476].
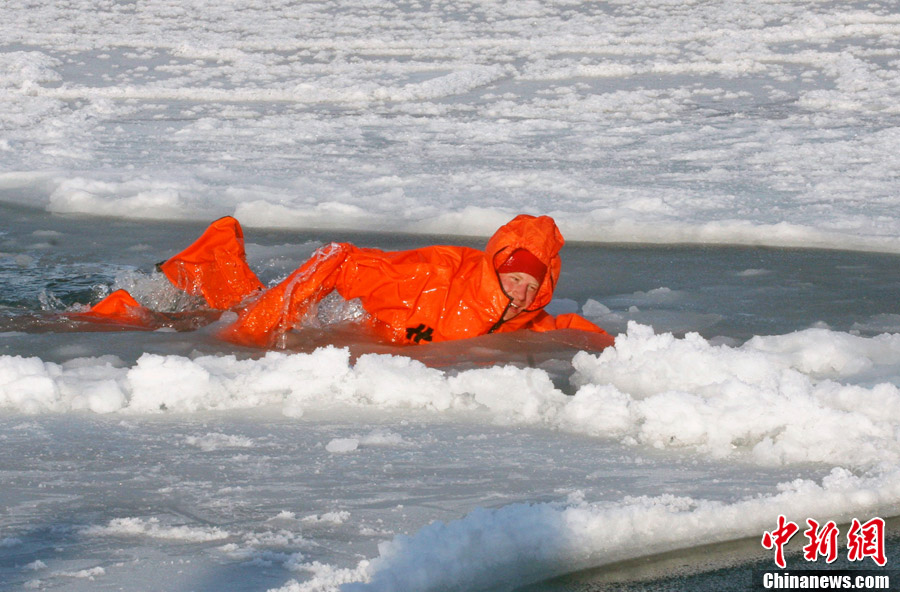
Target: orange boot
[214, 266]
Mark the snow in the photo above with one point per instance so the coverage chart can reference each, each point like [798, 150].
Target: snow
[780, 401]
[790, 399]
[169, 459]
[427, 118]
[128, 527]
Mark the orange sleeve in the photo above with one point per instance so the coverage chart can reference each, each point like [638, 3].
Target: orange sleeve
[397, 288]
[279, 308]
[119, 308]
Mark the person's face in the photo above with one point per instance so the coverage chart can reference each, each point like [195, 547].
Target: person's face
[521, 288]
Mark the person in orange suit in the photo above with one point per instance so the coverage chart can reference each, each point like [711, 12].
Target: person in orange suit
[430, 294]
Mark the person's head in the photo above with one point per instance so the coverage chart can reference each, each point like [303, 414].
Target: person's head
[538, 236]
[521, 276]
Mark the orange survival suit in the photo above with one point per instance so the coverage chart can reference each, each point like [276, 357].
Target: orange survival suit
[430, 294]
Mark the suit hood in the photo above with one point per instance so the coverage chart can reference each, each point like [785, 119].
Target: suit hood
[541, 237]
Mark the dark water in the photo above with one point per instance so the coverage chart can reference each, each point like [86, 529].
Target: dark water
[731, 293]
[739, 291]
